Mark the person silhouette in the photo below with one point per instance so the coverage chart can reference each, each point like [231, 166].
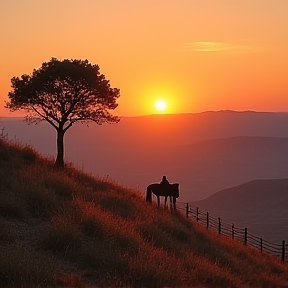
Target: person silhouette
[164, 181]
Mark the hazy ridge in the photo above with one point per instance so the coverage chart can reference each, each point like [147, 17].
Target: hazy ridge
[259, 205]
[204, 152]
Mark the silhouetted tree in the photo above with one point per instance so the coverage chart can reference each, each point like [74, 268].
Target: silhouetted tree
[62, 93]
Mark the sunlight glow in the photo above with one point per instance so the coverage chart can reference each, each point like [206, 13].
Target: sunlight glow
[161, 105]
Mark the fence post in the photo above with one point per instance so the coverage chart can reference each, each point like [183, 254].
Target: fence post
[283, 251]
[197, 214]
[187, 210]
[233, 231]
[245, 236]
[219, 226]
[207, 220]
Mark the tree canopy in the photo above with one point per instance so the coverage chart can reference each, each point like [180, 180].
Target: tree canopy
[62, 93]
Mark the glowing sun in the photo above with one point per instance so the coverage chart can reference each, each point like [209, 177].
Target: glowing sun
[161, 105]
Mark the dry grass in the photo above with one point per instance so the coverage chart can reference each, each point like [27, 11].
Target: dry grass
[21, 267]
[94, 231]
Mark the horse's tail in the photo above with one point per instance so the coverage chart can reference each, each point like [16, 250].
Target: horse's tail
[149, 194]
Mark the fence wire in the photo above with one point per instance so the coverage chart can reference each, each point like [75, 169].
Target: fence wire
[238, 233]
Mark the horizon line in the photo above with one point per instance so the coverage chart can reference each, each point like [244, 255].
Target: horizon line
[181, 113]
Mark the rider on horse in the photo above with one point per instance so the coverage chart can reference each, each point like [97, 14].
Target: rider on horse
[164, 181]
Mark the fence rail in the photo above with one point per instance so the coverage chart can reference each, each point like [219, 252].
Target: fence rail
[237, 233]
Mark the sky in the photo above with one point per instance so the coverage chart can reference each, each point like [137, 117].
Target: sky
[197, 55]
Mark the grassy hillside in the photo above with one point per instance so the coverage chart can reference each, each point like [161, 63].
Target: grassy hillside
[64, 227]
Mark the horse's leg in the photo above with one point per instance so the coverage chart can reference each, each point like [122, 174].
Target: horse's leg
[174, 203]
[158, 201]
[165, 203]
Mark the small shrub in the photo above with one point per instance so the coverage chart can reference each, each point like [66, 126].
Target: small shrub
[28, 154]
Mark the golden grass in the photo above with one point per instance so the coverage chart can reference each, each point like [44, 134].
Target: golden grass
[95, 231]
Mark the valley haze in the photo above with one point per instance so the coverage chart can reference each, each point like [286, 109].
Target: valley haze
[204, 152]
[259, 205]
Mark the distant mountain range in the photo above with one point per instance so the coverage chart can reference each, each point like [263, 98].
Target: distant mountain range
[204, 152]
[259, 205]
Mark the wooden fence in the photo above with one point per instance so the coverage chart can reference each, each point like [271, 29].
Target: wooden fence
[240, 234]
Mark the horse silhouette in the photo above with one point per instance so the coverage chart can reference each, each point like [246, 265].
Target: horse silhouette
[165, 190]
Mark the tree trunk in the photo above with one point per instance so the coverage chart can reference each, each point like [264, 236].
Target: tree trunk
[60, 148]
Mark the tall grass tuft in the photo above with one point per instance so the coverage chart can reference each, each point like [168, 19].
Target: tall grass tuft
[60, 236]
[29, 155]
[61, 184]
[41, 201]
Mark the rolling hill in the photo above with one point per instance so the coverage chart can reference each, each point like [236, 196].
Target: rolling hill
[259, 205]
[66, 228]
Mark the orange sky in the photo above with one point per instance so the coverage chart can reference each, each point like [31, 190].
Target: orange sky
[197, 54]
